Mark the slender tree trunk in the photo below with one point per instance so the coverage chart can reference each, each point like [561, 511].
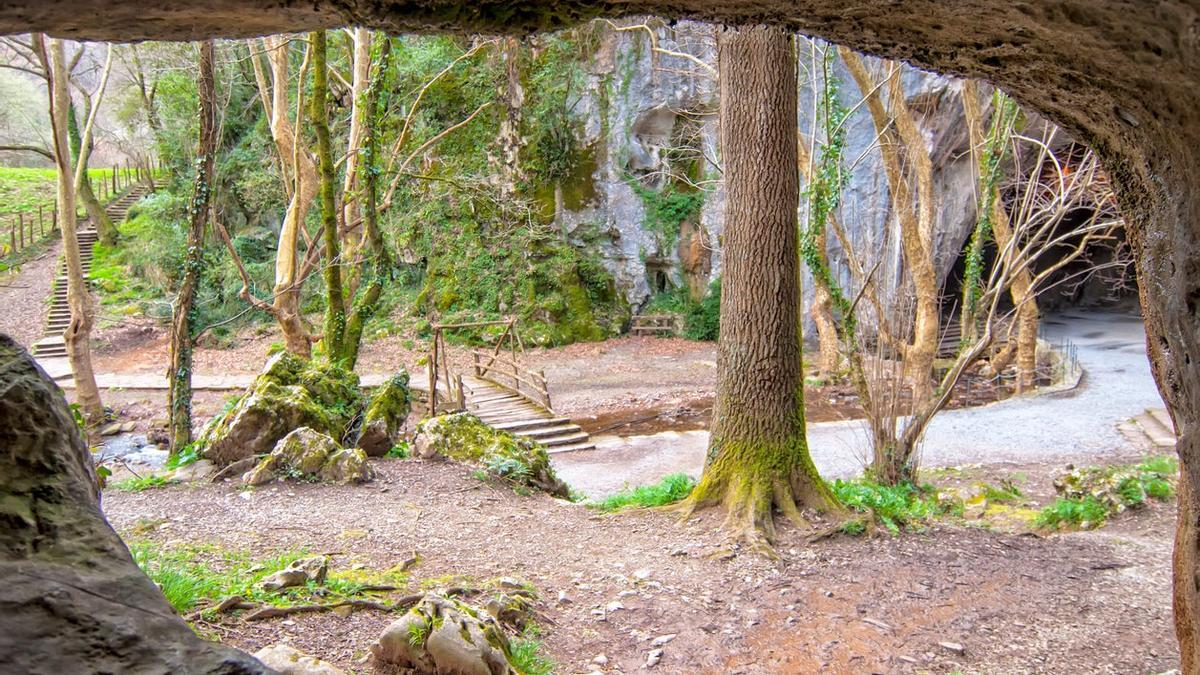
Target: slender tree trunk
[105, 230]
[183, 328]
[335, 299]
[758, 457]
[376, 264]
[78, 333]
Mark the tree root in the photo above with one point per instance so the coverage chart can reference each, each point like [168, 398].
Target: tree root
[405, 603]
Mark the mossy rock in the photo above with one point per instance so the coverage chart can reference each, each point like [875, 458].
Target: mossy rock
[290, 393]
[443, 635]
[385, 416]
[306, 454]
[463, 437]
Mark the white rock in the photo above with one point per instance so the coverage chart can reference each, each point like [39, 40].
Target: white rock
[600, 660]
[662, 640]
[614, 606]
[290, 661]
[654, 657]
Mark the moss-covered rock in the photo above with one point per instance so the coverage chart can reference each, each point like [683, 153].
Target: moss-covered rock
[306, 454]
[463, 437]
[385, 416]
[290, 393]
[443, 635]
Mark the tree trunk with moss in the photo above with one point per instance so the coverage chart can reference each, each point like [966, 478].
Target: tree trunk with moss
[183, 328]
[106, 231]
[758, 457]
[376, 264]
[335, 299]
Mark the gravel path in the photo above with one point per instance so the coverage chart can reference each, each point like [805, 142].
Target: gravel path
[23, 297]
[1116, 386]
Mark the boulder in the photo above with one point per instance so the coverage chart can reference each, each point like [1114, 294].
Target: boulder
[386, 413]
[445, 636]
[463, 437]
[290, 661]
[307, 454]
[288, 394]
[73, 600]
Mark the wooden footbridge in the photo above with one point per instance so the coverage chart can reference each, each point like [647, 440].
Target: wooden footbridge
[497, 389]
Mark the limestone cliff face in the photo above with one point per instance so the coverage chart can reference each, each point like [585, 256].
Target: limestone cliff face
[648, 120]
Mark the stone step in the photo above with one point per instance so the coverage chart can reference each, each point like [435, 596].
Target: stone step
[529, 423]
[567, 439]
[1159, 434]
[570, 448]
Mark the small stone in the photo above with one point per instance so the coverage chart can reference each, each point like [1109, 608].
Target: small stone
[654, 657]
[111, 429]
[953, 647]
[614, 606]
[662, 640]
[907, 659]
[600, 660]
[641, 575]
[127, 427]
[563, 599]
[678, 553]
[509, 583]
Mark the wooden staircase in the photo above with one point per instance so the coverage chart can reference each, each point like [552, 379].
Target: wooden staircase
[503, 409]
[51, 345]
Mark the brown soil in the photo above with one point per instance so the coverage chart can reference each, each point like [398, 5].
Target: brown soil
[1094, 602]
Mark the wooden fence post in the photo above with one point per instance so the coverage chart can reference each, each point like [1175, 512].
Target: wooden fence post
[21, 229]
[41, 222]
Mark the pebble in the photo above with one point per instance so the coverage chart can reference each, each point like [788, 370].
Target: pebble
[600, 660]
[654, 657]
[562, 598]
[953, 647]
[662, 640]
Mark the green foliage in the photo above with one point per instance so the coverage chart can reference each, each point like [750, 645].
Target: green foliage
[189, 454]
[1090, 495]
[904, 505]
[22, 192]
[994, 151]
[1005, 493]
[525, 653]
[824, 190]
[669, 490]
[139, 483]
[701, 320]
[667, 209]
[1080, 512]
[194, 576]
[401, 450]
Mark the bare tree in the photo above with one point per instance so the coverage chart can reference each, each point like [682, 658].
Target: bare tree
[78, 333]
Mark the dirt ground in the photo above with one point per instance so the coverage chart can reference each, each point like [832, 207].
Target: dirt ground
[972, 596]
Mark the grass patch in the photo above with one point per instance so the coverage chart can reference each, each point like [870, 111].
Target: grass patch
[526, 655]
[1004, 493]
[401, 450]
[194, 576]
[669, 490]
[139, 483]
[905, 505]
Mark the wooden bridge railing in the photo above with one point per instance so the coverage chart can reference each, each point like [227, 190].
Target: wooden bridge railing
[508, 374]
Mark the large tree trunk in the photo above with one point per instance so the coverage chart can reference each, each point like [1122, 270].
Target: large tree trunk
[183, 327]
[73, 600]
[77, 336]
[758, 457]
